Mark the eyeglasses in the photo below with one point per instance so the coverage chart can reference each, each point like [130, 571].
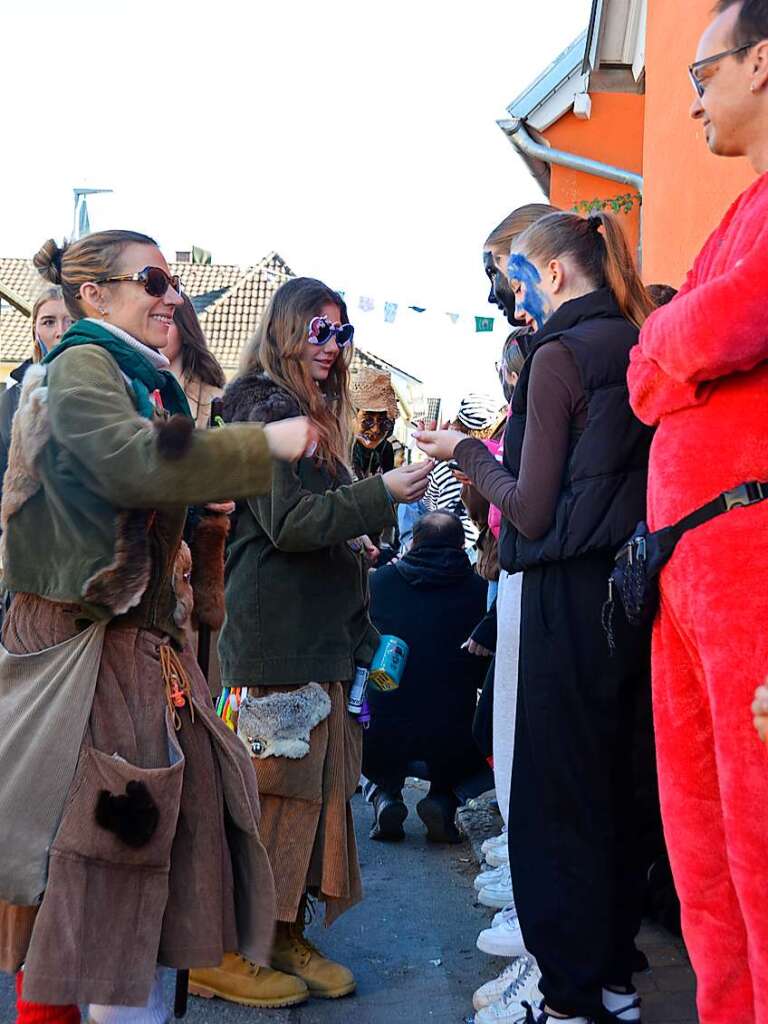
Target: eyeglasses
[693, 69]
[155, 280]
[321, 330]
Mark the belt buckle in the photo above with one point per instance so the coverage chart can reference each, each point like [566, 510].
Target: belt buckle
[743, 495]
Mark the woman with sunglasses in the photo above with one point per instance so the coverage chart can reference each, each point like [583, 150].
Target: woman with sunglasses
[103, 464]
[297, 613]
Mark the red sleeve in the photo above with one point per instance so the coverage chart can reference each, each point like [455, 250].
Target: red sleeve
[718, 327]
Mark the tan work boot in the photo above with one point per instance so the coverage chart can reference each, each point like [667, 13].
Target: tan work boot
[239, 981]
[295, 954]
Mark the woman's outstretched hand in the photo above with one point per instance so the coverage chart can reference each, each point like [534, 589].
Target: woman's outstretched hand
[408, 483]
[290, 439]
[439, 444]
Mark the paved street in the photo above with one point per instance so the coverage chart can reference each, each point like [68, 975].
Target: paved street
[412, 945]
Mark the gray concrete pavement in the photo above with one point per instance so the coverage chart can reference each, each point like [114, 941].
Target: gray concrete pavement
[411, 944]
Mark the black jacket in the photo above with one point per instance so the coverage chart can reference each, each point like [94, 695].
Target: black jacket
[603, 494]
[432, 599]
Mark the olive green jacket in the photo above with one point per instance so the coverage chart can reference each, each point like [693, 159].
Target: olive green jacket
[296, 588]
[95, 495]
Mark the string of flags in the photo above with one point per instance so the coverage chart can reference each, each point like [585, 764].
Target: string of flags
[367, 304]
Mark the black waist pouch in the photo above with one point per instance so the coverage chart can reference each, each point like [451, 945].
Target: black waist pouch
[635, 576]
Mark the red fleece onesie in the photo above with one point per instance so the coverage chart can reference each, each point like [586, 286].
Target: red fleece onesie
[700, 372]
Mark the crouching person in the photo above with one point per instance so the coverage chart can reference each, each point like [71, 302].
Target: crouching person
[432, 599]
[155, 855]
[297, 624]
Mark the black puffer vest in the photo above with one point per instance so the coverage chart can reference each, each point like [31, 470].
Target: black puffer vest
[603, 493]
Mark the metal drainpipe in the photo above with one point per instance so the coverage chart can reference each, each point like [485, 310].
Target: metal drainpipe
[517, 134]
[515, 130]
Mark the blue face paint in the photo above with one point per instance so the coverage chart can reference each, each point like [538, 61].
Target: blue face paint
[533, 302]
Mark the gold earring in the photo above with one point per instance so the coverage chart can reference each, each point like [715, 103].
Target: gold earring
[103, 311]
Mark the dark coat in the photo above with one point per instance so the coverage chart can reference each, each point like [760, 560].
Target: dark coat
[433, 600]
[603, 495]
[296, 590]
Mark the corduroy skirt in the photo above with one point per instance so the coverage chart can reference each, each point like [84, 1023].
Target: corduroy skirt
[306, 820]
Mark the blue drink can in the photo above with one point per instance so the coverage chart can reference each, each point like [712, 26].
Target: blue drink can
[388, 663]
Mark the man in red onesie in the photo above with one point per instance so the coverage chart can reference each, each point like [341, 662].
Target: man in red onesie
[700, 372]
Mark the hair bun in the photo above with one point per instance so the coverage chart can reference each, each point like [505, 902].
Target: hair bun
[47, 261]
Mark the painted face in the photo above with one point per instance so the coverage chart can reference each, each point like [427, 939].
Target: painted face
[52, 321]
[319, 359]
[372, 427]
[532, 303]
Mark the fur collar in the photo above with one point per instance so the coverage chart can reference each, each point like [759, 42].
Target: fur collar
[256, 398]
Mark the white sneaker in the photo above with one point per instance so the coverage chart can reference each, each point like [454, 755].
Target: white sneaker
[492, 991]
[489, 877]
[498, 893]
[489, 844]
[523, 986]
[505, 939]
[623, 1006]
[504, 912]
[498, 855]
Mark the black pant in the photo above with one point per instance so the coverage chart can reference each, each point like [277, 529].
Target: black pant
[576, 869]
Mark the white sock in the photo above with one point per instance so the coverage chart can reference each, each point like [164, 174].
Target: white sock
[156, 1010]
[621, 1001]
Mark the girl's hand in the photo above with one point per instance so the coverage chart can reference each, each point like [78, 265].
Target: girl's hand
[408, 483]
[370, 550]
[222, 508]
[760, 711]
[290, 439]
[471, 647]
[439, 444]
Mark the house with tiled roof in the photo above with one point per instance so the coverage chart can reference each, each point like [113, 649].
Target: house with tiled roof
[229, 300]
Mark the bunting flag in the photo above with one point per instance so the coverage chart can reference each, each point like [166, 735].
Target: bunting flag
[483, 323]
[453, 317]
[418, 309]
[366, 304]
[390, 312]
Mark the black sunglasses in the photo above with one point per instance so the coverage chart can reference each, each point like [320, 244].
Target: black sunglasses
[693, 69]
[155, 280]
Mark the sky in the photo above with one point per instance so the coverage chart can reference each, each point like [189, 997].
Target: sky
[358, 140]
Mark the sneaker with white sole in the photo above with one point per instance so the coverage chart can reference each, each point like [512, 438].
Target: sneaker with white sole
[538, 1015]
[622, 1006]
[494, 841]
[505, 939]
[489, 877]
[492, 991]
[523, 987]
[497, 855]
[499, 893]
[504, 912]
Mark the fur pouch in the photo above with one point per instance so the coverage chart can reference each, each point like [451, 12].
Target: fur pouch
[279, 725]
[208, 543]
[132, 817]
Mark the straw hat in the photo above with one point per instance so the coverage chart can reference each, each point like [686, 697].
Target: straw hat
[372, 391]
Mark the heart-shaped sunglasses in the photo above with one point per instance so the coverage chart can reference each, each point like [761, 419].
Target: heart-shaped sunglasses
[321, 330]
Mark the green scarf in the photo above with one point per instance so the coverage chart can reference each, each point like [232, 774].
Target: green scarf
[142, 374]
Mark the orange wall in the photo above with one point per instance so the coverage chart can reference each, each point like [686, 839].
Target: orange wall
[687, 190]
[614, 135]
